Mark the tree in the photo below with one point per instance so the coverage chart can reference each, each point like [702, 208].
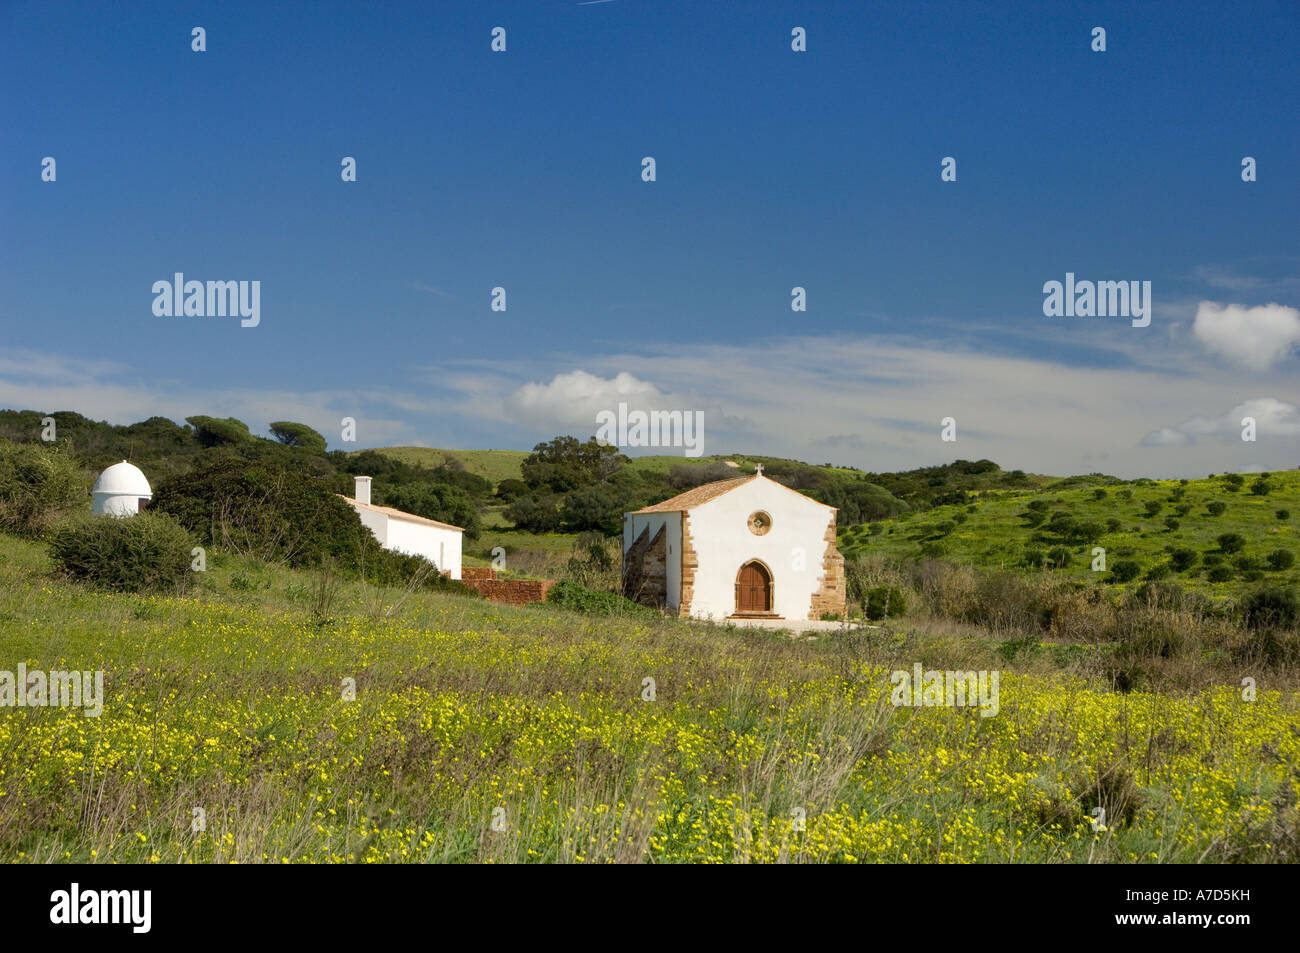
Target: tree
[592, 508]
[1216, 507]
[535, 513]
[298, 435]
[564, 464]
[215, 432]
[441, 502]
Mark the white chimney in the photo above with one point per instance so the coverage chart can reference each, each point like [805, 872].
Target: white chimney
[363, 490]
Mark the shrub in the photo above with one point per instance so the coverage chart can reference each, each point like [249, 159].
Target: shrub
[1280, 559]
[1219, 574]
[1182, 509]
[1171, 524]
[960, 517]
[878, 528]
[1125, 570]
[1231, 542]
[1216, 507]
[510, 490]
[1153, 507]
[1058, 557]
[1261, 487]
[1246, 563]
[1038, 506]
[149, 552]
[264, 512]
[1159, 595]
[1061, 524]
[1113, 525]
[570, 595]
[1232, 482]
[1125, 494]
[1086, 532]
[1283, 515]
[37, 484]
[1182, 559]
[1099, 494]
[535, 513]
[945, 528]
[884, 602]
[933, 549]
[1212, 559]
[278, 516]
[1033, 518]
[1271, 607]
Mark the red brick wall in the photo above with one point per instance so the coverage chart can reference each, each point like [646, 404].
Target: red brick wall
[515, 592]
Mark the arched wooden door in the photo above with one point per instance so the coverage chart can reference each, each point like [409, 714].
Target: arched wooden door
[753, 588]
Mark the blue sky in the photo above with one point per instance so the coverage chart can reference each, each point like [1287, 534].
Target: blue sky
[775, 169]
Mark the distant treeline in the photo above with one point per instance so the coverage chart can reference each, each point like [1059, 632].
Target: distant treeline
[167, 451]
[566, 485]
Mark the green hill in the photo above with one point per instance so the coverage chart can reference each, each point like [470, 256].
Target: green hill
[1166, 527]
[493, 465]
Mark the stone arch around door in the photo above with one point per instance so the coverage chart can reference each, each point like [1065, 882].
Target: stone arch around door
[754, 589]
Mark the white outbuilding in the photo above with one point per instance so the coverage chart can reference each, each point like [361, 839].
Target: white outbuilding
[440, 543]
[121, 490]
[748, 548]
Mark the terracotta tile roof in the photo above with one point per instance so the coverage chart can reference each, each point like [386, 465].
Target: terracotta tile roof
[399, 515]
[694, 497]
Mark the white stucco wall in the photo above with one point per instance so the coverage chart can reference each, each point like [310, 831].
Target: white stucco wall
[377, 523]
[723, 543]
[440, 546]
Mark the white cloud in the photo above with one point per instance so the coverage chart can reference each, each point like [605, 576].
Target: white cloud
[1256, 338]
[574, 398]
[876, 403]
[1273, 419]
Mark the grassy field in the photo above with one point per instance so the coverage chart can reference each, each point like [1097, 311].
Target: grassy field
[533, 554]
[991, 532]
[493, 465]
[495, 734]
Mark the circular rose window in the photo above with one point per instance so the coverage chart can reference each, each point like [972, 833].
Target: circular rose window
[759, 523]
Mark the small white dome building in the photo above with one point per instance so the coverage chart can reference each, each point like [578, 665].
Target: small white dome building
[121, 490]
